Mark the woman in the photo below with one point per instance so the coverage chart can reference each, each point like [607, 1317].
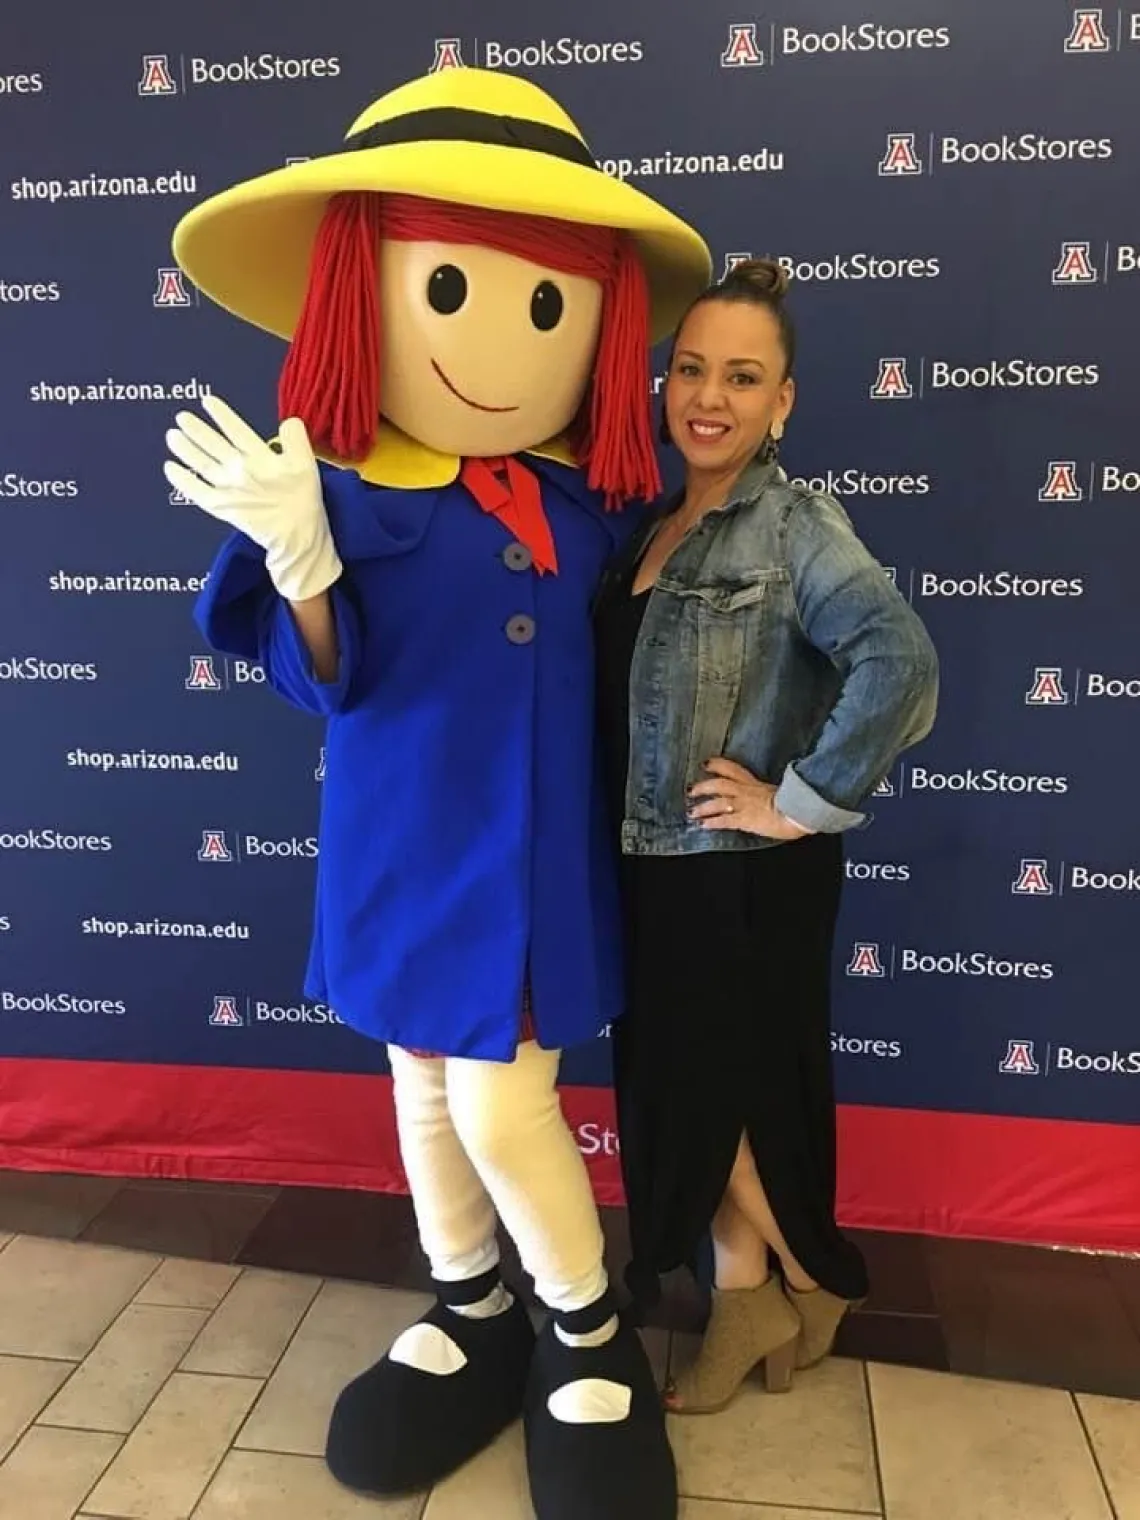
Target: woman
[759, 675]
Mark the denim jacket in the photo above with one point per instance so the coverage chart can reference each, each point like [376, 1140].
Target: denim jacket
[775, 639]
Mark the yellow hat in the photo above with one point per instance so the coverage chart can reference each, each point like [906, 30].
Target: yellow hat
[472, 136]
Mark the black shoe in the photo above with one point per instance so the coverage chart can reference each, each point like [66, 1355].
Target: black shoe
[617, 1471]
[396, 1430]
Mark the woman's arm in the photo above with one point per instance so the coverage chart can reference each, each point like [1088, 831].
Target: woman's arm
[310, 650]
[852, 612]
[317, 626]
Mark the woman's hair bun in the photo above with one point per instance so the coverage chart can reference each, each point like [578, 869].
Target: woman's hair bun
[763, 278]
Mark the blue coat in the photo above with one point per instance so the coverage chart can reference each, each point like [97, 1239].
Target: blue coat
[463, 829]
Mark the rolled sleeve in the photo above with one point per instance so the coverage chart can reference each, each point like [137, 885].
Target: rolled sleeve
[802, 804]
[288, 663]
[241, 614]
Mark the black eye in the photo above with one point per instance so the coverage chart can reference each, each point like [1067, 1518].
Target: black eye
[447, 289]
[546, 306]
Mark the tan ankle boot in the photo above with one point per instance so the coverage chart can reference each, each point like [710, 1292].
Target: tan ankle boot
[820, 1314]
[747, 1326]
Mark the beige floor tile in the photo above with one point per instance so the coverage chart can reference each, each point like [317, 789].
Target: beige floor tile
[349, 1326]
[253, 1326]
[112, 1388]
[810, 1447]
[951, 1446]
[162, 1470]
[495, 1483]
[57, 1298]
[1114, 1425]
[714, 1509]
[189, 1284]
[25, 1387]
[255, 1485]
[51, 1471]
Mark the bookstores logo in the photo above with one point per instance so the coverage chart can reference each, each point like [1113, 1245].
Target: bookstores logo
[907, 155]
[871, 961]
[744, 47]
[856, 482]
[1020, 1060]
[232, 1012]
[1095, 31]
[15, 486]
[209, 672]
[542, 52]
[163, 75]
[902, 379]
[1068, 481]
[1036, 878]
[225, 847]
[1082, 264]
[170, 292]
[1050, 687]
[59, 1002]
[1024, 1059]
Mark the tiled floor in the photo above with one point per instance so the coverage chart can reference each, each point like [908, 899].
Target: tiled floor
[1057, 1318]
[143, 1388]
[139, 1384]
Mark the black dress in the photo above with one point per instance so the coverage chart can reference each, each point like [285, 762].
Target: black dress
[727, 1025]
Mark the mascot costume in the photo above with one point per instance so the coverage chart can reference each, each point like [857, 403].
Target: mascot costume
[470, 304]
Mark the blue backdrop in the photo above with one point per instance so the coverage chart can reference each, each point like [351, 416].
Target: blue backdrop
[953, 186]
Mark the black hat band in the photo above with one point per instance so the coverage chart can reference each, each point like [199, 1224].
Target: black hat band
[453, 124]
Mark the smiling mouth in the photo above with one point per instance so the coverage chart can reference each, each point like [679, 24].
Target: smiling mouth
[467, 401]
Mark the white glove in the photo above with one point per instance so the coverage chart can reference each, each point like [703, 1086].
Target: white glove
[273, 495]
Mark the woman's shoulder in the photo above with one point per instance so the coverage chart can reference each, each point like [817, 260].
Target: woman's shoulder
[794, 511]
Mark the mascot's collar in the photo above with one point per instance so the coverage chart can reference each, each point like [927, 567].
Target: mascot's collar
[400, 463]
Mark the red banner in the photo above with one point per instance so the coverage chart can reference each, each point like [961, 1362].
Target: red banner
[1053, 1182]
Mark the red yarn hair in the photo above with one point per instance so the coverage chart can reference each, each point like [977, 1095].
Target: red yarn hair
[331, 377]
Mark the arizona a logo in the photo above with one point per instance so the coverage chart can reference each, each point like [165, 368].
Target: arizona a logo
[171, 290]
[448, 54]
[225, 1014]
[731, 260]
[901, 157]
[319, 773]
[1061, 482]
[1075, 266]
[178, 498]
[1033, 879]
[1048, 689]
[203, 676]
[892, 382]
[214, 849]
[1020, 1060]
[865, 961]
[743, 51]
[1088, 34]
[156, 78]
[885, 788]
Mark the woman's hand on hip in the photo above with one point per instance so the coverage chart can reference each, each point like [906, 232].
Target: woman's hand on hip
[733, 798]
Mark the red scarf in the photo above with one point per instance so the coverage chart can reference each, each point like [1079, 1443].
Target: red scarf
[509, 491]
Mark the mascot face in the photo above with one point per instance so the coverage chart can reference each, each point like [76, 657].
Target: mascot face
[483, 353]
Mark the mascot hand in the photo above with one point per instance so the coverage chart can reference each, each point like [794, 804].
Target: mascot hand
[271, 493]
